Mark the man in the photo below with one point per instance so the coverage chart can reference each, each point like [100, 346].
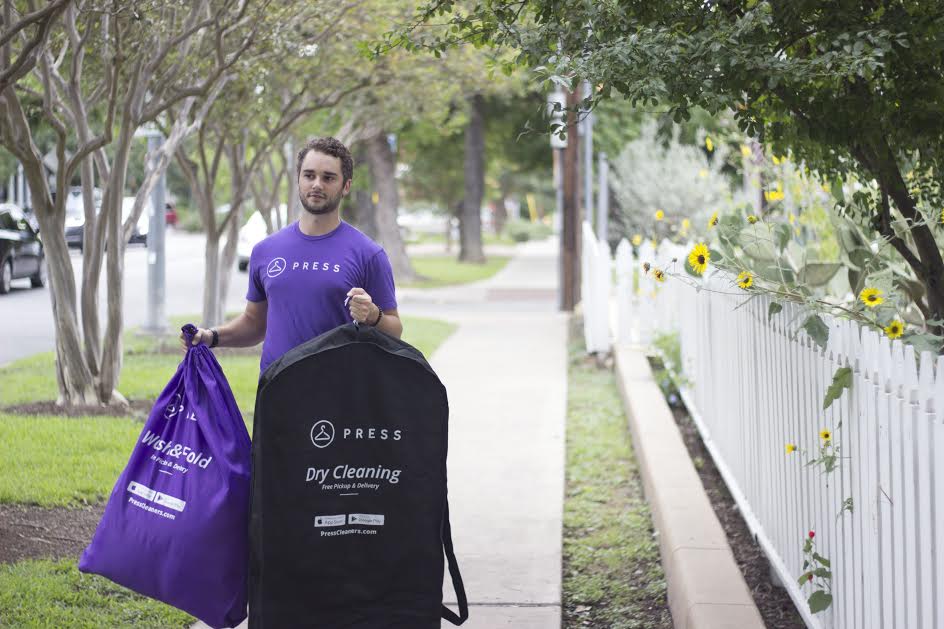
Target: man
[315, 274]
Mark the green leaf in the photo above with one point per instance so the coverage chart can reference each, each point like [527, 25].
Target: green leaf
[773, 309]
[803, 579]
[842, 379]
[817, 330]
[821, 559]
[782, 234]
[838, 194]
[756, 248]
[823, 573]
[690, 270]
[818, 273]
[819, 601]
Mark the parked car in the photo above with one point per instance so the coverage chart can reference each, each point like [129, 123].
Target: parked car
[21, 250]
[170, 214]
[75, 215]
[140, 230]
[253, 232]
[75, 218]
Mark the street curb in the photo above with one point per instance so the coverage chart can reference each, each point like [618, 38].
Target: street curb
[705, 586]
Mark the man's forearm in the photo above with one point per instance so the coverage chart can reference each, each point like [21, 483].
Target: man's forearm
[241, 332]
[390, 324]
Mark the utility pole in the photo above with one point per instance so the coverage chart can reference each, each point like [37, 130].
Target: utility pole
[570, 238]
[587, 156]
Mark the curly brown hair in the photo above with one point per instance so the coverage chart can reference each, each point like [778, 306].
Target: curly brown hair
[328, 146]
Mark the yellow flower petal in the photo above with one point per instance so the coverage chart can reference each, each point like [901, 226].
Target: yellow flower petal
[699, 257]
[895, 329]
[871, 297]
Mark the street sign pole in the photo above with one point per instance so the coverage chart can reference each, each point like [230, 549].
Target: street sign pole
[157, 316]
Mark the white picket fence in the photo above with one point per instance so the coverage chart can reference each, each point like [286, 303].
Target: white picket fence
[756, 384]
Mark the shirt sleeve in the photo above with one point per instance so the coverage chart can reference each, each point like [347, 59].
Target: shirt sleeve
[379, 281]
[256, 290]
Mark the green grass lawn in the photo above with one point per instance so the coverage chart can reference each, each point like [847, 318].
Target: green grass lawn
[63, 461]
[54, 594]
[612, 576]
[447, 270]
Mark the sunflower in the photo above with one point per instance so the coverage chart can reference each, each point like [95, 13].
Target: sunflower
[659, 274]
[871, 297]
[745, 280]
[686, 224]
[745, 150]
[660, 215]
[751, 219]
[637, 239]
[826, 436]
[709, 144]
[713, 220]
[699, 257]
[790, 448]
[895, 329]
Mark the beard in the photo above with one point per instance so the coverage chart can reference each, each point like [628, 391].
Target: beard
[322, 206]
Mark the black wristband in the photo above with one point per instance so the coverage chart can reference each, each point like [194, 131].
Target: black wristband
[216, 337]
[380, 314]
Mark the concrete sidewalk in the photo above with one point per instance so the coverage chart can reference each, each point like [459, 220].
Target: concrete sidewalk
[505, 369]
[506, 372]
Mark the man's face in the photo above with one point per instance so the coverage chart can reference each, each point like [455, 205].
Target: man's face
[319, 183]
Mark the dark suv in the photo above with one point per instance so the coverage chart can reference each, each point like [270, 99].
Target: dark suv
[21, 252]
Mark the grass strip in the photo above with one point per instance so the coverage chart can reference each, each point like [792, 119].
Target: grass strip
[612, 575]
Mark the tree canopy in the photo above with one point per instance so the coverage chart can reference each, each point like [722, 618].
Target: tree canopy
[850, 88]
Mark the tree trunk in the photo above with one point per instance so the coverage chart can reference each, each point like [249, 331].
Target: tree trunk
[238, 185]
[359, 211]
[112, 351]
[501, 210]
[72, 373]
[292, 203]
[470, 219]
[91, 274]
[927, 264]
[383, 164]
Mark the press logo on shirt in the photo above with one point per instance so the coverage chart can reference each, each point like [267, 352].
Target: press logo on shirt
[279, 265]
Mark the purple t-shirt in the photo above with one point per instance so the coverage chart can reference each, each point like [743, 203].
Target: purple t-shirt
[305, 279]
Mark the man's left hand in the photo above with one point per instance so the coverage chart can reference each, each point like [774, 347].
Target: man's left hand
[362, 307]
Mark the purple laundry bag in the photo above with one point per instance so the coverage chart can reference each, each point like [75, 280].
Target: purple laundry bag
[176, 524]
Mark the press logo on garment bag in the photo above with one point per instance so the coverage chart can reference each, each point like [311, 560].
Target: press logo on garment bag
[322, 434]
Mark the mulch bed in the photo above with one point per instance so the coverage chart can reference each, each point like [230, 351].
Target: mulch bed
[31, 532]
[775, 605]
[138, 408]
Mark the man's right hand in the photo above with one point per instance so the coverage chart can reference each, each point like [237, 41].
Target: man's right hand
[203, 335]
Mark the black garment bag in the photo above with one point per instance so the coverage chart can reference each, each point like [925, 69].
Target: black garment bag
[349, 521]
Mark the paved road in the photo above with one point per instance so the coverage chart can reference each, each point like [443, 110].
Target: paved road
[26, 314]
